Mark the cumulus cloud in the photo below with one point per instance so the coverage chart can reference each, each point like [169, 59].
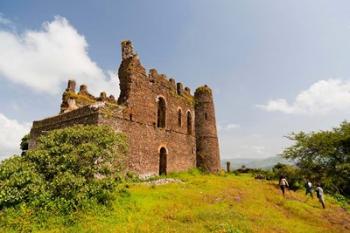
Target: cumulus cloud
[45, 59]
[11, 133]
[323, 97]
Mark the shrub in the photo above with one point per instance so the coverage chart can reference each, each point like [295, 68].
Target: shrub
[19, 182]
[68, 167]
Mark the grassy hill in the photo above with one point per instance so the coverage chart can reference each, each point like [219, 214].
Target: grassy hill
[200, 203]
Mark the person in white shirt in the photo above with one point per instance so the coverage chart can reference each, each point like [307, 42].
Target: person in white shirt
[283, 184]
[320, 197]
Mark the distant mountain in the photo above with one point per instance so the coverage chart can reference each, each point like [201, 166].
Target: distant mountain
[265, 163]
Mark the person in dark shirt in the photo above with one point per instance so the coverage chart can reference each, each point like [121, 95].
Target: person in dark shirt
[308, 188]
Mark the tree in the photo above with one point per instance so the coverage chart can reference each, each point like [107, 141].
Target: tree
[24, 144]
[324, 156]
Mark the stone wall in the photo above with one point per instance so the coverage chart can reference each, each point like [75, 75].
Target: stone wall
[145, 142]
[85, 115]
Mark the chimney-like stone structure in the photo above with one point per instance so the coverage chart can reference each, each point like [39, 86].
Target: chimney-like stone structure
[127, 50]
[71, 86]
[129, 70]
[207, 144]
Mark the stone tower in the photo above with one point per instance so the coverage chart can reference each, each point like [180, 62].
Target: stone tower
[207, 156]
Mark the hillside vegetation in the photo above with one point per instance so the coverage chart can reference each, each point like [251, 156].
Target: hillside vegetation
[196, 203]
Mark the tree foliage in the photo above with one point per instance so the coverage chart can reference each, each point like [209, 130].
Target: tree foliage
[324, 156]
[292, 173]
[24, 144]
[68, 167]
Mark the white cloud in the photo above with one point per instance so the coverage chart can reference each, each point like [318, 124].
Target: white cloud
[323, 97]
[45, 59]
[231, 126]
[11, 133]
[227, 127]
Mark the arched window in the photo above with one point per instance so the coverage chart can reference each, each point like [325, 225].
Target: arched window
[162, 161]
[189, 123]
[179, 117]
[161, 113]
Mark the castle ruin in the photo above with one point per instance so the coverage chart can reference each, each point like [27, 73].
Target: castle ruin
[168, 128]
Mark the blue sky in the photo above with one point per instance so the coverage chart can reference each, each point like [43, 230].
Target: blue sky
[275, 66]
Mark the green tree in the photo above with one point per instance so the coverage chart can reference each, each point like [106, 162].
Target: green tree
[324, 156]
[292, 174]
[24, 144]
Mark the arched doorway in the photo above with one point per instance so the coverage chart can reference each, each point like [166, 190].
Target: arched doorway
[162, 161]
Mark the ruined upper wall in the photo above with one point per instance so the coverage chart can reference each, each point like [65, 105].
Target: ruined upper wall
[140, 92]
[72, 100]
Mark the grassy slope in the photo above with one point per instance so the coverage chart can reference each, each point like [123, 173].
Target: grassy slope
[205, 203]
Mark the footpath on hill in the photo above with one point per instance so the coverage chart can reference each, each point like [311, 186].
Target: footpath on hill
[208, 203]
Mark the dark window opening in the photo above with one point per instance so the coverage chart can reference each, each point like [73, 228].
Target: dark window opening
[179, 117]
[130, 117]
[162, 161]
[161, 113]
[206, 116]
[189, 123]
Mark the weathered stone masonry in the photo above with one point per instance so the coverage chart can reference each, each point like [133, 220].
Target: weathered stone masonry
[168, 129]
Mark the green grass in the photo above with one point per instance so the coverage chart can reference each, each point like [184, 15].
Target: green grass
[202, 203]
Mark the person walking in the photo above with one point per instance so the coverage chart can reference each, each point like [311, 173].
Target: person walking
[283, 184]
[308, 188]
[320, 197]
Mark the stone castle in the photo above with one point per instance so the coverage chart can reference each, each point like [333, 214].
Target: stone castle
[168, 129]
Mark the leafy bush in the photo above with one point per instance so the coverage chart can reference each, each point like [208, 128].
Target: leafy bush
[19, 182]
[68, 167]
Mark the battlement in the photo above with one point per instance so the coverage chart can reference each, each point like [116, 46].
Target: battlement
[134, 78]
[168, 83]
[72, 100]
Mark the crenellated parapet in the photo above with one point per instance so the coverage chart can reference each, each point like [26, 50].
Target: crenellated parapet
[133, 78]
[72, 100]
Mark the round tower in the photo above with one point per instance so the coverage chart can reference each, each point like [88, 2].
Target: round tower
[208, 155]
